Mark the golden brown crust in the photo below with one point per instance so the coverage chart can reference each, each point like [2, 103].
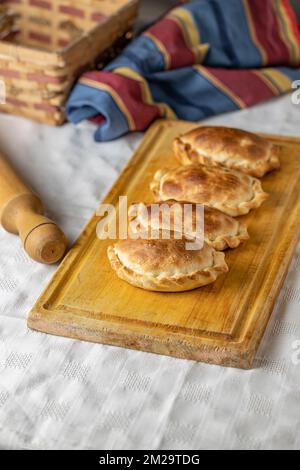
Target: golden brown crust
[232, 148]
[220, 230]
[165, 265]
[229, 191]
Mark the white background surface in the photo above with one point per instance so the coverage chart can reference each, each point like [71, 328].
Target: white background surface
[58, 393]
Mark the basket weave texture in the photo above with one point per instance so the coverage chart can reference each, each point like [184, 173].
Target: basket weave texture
[46, 44]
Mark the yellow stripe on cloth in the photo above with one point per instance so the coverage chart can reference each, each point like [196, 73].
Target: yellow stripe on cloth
[120, 103]
[185, 21]
[130, 73]
[166, 111]
[236, 99]
[286, 32]
[189, 27]
[160, 46]
[201, 52]
[278, 79]
[267, 81]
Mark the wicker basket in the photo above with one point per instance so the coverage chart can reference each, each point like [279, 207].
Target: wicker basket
[46, 44]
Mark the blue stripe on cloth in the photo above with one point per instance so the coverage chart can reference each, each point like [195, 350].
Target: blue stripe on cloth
[293, 74]
[86, 102]
[142, 55]
[192, 95]
[189, 94]
[220, 27]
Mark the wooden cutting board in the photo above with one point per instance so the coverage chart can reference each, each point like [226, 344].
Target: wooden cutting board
[222, 323]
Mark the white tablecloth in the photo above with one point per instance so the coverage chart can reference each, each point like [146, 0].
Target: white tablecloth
[57, 393]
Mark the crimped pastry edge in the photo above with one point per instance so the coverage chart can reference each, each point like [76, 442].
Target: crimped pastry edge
[169, 284]
[221, 243]
[258, 169]
[243, 208]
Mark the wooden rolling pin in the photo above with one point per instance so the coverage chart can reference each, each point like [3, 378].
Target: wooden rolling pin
[22, 213]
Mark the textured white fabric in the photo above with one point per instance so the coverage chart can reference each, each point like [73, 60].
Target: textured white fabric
[58, 393]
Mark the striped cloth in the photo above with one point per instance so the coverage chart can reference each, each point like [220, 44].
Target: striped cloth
[203, 58]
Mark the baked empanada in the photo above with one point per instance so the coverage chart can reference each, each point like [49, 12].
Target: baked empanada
[229, 191]
[232, 148]
[165, 265]
[220, 230]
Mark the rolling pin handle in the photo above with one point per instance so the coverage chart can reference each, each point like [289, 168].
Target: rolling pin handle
[42, 239]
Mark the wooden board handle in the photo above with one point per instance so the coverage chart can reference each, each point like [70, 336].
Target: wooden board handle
[22, 213]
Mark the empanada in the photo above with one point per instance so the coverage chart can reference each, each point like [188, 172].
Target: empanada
[165, 265]
[220, 230]
[229, 191]
[232, 148]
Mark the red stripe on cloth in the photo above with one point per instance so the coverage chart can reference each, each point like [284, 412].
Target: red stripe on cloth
[130, 93]
[72, 11]
[267, 30]
[291, 14]
[97, 120]
[9, 73]
[169, 33]
[245, 84]
[40, 4]
[40, 78]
